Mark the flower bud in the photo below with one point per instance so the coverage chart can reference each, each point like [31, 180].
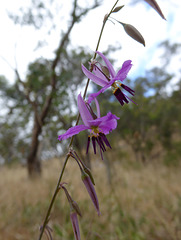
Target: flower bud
[90, 188]
[73, 205]
[105, 18]
[105, 70]
[134, 33]
[117, 9]
[87, 170]
[76, 208]
[75, 225]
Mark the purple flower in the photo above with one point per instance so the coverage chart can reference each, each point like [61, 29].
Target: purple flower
[98, 126]
[91, 190]
[75, 224]
[106, 77]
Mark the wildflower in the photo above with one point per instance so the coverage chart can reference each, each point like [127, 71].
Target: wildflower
[98, 126]
[91, 190]
[106, 77]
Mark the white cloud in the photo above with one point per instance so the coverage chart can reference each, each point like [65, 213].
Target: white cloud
[20, 42]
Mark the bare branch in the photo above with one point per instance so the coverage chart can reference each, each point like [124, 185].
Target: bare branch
[61, 47]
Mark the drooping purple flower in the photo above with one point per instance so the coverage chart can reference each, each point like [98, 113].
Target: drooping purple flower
[106, 77]
[98, 126]
[91, 190]
[75, 224]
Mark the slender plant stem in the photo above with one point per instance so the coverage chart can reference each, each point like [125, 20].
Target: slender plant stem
[72, 138]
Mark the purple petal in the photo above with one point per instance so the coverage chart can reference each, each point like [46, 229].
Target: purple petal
[72, 131]
[109, 123]
[84, 112]
[98, 121]
[99, 74]
[108, 85]
[122, 73]
[98, 108]
[106, 123]
[109, 65]
[93, 77]
[92, 96]
[108, 126]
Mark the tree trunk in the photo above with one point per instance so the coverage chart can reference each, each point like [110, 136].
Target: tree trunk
[33, 160]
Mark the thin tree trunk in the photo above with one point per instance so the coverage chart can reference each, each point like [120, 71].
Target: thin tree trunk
[33, 160]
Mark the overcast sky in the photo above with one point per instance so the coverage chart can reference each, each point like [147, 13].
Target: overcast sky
[19, 42]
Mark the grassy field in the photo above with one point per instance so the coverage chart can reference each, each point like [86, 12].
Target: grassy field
[142, 203]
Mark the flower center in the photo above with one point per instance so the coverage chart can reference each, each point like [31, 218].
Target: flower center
[95, 130]
[116, 85]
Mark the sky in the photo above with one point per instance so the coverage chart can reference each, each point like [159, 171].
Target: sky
[18, 43]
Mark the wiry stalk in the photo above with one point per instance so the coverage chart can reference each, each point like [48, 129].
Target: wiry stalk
[72, 138]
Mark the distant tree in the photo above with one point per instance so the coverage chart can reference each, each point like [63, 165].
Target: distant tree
[149, 127]
[49, 82]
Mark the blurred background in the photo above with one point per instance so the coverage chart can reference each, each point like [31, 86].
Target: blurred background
[43, 44]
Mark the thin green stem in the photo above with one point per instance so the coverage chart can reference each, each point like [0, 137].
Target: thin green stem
[72, 138]
[98, 43]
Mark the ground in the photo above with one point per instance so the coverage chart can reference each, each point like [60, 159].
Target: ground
[142, 202]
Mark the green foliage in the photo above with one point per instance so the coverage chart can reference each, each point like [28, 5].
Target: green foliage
[172, 156]
[151, 129]
[16, 123]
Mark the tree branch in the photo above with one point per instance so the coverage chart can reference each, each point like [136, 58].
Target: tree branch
[60, 49]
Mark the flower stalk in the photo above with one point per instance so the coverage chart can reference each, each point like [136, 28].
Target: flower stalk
[72, 138]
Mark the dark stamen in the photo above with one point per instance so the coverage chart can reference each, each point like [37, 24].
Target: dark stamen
[101, 143]
[88, 143]
[104, 138]
[120, 96]
[94, 144]
[101, 153]
[131, 91]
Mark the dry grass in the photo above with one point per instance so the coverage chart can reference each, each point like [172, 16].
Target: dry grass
[142, 203]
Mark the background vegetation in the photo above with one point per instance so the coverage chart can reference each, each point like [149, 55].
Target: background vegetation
[138, 184]
[143, 202]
